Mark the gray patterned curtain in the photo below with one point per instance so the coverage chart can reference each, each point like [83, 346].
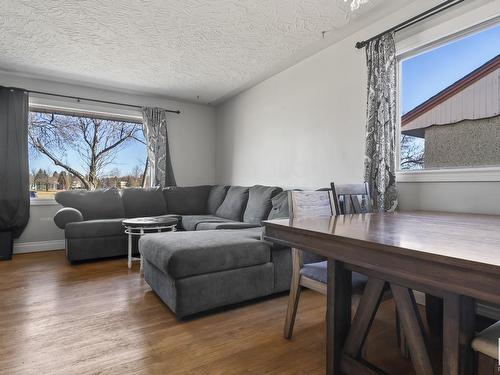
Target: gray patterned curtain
[14, 172]
[159, 169]
[380, 155]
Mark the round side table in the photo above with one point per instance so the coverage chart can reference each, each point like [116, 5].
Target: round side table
[143, 225]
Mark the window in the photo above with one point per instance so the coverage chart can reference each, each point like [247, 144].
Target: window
[450, 104]
[71, 151]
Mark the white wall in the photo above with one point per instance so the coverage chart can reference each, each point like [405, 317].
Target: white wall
[191, 139]
[304, 127]
[300, 128]
[472, 197]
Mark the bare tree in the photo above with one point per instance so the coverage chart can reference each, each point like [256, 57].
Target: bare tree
[136, 171]
[140, 170]
[96, 141]
[41, 179]
[63, 181]
[412, 152]
[32, 178]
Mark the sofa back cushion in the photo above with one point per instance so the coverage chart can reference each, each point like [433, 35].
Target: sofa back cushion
[139, 202]
[234, 204]
[215, 198]
[259, 203]
[280, 206]
[187, 200]
[97, 204]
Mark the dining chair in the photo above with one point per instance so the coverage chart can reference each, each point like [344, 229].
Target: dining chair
[485, 346]
[307, 271]
[351, 198]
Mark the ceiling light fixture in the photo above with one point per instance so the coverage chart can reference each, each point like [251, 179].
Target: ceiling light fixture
[355, 4]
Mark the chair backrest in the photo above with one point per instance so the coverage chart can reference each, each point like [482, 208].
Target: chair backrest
[351, 198]
[310, 203]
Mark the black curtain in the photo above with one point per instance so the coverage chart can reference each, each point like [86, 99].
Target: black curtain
[14, 172]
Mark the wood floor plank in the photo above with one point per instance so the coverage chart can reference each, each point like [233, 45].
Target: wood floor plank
[101, 318]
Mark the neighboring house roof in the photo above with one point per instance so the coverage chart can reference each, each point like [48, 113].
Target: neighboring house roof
[475, 96]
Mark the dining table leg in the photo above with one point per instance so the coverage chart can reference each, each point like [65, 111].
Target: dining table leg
[458, 332]
[338, 314]
[411, 323]
[434, 314]
[434, 318]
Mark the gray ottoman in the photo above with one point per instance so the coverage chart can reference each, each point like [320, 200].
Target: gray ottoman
[197, 271]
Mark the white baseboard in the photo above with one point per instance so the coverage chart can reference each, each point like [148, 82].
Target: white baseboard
[33, 247]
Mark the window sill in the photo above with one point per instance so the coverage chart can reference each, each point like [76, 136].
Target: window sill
[43, 202]
[483, 174]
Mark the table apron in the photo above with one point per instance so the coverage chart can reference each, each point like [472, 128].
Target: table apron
[427, 276]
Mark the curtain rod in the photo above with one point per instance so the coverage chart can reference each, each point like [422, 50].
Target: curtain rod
[95, 100]
[420, 17]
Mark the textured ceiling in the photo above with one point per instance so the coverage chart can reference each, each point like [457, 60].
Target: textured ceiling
[197, 50]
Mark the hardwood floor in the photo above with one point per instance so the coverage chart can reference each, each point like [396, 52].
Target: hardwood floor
[101, 318]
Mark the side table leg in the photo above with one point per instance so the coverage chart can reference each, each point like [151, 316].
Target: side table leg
[129, 249]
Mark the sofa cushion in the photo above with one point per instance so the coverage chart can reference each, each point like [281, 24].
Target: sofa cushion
[234, 204]
[279, 208]
[187, 200]
[139, 202]
[259, 203]
[95, 228]
[215, 198]
[97, 204]
[190, 222]
[225, 225]
[182, 254]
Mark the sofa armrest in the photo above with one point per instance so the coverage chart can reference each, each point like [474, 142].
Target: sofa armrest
[67, 215]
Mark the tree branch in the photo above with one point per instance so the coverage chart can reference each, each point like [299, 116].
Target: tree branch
[119, 142]
[39, 146]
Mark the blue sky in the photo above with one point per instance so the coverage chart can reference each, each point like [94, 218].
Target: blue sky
[425, 75]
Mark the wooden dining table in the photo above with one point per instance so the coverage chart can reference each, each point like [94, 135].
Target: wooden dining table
[454, 258]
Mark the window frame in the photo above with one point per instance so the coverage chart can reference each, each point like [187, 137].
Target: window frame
[414, 46]
[49, 104]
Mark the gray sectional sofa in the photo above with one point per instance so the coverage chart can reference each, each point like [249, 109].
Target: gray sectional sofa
[216, 258]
